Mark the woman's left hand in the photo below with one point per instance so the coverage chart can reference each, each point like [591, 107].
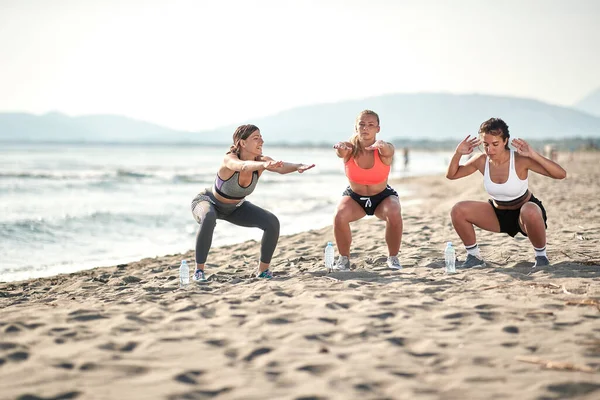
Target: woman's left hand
[304, 167]
[522, 147]
[379, 144]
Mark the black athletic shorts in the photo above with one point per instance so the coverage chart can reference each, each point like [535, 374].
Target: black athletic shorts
[509, 219]
[370, 203]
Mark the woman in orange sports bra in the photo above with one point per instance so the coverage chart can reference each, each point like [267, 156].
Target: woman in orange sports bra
[367, 162]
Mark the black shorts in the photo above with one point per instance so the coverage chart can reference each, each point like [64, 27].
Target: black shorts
[509, 219]
[370, 203]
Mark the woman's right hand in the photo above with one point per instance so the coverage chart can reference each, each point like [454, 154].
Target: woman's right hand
[467, 145]
[343, 146]
[272, 165]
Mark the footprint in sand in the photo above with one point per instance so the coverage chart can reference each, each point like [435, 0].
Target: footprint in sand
[572, 389]
[217, 342]
[337, 306]
[200, 394]
[315, 369]
[485, 306]
[61, 396]
[84, 316]
[397, 341]
[489, 315]
[189, 377]
[12, 352]
[279, 321]
[257, 353]
[126, 348]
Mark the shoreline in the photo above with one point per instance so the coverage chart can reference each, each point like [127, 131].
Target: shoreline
[500, 331]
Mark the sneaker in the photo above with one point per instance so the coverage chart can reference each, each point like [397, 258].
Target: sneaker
[199, 276]
[393, 262]
[266, 274]
[472, 262]
[342, 264]
[541, 261]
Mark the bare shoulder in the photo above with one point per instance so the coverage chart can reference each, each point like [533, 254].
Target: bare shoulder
[478, 160]
[522, 162]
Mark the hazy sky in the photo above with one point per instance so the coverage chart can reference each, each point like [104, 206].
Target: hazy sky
[198, 64]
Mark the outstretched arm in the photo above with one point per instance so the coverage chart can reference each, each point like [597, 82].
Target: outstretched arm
[386, 150]
[343, 149]
[539, 163]
[456, 171]
[286, 167]
[232, 162]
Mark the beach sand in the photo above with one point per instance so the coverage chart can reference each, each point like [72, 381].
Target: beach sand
[501, 332]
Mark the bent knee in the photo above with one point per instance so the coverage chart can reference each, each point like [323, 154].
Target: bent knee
[206, 218]
[530, 211]
[341, 216]
[458, 211]
[271, 223]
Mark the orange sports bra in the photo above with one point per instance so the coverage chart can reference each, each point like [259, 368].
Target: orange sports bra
[371, 176]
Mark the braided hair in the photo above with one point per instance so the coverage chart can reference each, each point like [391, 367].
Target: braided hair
[241, 133]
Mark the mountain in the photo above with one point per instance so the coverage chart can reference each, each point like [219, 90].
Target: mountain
[417, 116]
[57, 127]
[590, 103]
[427, 116]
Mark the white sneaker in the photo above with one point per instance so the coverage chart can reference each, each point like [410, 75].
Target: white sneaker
[393, 262]
[342, 264]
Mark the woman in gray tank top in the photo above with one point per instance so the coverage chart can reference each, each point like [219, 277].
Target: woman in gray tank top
[237, 177]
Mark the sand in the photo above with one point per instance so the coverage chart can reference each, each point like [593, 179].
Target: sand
[501, 332]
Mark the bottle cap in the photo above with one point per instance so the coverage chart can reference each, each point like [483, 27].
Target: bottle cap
[183, 262]
[448, 243]
[329, 244]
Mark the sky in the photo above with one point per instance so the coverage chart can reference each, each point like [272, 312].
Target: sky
[196, 64]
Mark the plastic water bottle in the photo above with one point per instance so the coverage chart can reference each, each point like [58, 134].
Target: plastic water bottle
[329, 256]
[450, 258]
[184, 274]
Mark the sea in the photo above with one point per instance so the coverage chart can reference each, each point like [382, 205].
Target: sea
[71, 207]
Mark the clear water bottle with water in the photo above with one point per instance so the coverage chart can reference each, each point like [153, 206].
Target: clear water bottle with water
[184, 274]
[329, 256]
[450, 257]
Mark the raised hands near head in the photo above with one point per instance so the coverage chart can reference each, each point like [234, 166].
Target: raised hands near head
[272, 165]
[343, 146]
[467, 145]
[522, 147]
[379, 144]
[304, 167]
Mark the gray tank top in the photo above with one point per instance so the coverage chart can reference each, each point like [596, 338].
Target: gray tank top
[231, 189]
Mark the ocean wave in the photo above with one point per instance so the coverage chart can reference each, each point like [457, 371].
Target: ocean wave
[119, 175]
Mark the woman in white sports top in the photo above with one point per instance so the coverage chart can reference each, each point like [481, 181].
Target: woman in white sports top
[512, 208]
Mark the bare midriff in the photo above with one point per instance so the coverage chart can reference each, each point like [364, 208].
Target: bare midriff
[368, 190]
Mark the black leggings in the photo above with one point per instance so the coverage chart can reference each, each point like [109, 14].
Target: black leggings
[207, 210]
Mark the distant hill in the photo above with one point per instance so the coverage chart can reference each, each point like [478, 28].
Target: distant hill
[590, 103]
[414, 117]
[57, 127]
[427, 116]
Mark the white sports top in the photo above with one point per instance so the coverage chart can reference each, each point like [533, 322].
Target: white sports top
[512, 189]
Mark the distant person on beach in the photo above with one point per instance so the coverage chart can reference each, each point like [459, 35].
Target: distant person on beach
[512, 207]
[406, 157]
[237, 177]
[367, 162]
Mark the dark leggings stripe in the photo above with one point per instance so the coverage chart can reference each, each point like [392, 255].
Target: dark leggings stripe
[247, 215]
